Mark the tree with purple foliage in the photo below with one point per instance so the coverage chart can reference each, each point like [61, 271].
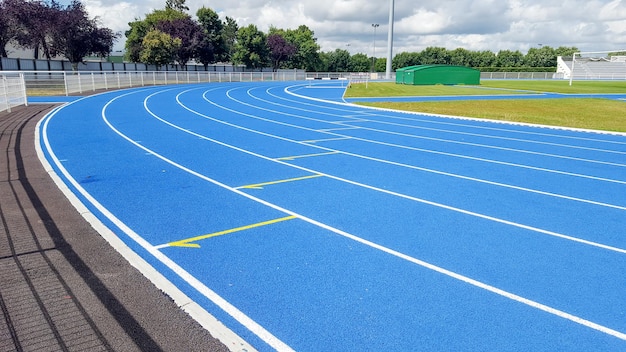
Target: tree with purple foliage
[280, 50]
[76, 35]
[7, 28]
[189, 33]
[34, 23]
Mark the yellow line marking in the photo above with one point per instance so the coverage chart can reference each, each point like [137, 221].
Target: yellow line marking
[304, 156]
[186, 242]
[326, 140]
[260, 185]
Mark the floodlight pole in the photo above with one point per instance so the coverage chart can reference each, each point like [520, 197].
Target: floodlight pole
[390, 40]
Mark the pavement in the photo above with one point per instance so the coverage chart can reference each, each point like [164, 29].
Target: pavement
[62, 286]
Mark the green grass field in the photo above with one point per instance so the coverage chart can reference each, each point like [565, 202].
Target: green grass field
[597, 114]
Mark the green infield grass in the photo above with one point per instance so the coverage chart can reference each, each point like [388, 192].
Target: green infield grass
[596, 113]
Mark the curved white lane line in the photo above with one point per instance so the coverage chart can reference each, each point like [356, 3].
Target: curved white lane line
[461, 156]
[374, 245]
[464, 118]
[529, 141]
[203, 317]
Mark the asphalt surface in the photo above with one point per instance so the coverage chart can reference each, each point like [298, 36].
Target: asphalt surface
[62, 287]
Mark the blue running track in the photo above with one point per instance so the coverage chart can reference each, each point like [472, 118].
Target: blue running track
[309, 224]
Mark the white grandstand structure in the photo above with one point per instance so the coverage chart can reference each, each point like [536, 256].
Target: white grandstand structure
[592, 65]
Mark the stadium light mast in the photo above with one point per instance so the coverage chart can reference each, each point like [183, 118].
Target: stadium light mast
[390, 40]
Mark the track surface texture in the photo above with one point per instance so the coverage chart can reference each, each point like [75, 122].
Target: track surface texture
[304, 224]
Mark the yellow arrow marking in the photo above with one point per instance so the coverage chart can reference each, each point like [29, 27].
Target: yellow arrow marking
[260, 185]
[305, 156]
[187, 242]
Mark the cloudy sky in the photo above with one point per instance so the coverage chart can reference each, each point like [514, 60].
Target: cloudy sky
[589, 25]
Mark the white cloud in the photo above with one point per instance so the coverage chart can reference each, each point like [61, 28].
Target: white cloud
[473, 24]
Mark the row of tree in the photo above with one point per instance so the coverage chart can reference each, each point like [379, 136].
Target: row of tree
[55, 29]
[170, 35]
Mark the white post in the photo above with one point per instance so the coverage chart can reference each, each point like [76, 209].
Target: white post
[23, 88]
[571, 74]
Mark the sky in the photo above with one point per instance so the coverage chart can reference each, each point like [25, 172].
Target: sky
[494, 25]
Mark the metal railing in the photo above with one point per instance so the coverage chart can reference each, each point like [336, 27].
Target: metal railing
[12, 91]
[66, 83]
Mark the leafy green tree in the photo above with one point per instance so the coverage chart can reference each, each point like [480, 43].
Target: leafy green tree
[139, 28]
[229, 36]
[251, 48]
[460, 57]
[483, 58]
[381, 65]
[544, 56]
[159, 48]
[212, 46]
[307, 50]
[435, 55]
[405, 59]
[359, 63]
[339, 61]
[190, 34]
[508, 58]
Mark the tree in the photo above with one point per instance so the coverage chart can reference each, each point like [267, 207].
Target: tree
[279, 50]
[339, 61]
[545, 56]
[405, 59]
[178, 5]
[77, 36]
[508, 58]
[435, 56]
[7, 28]
[307, 54]
[359, 63]
[229, 36]
[159, 48]
[188, 31]
[251, 48]
[34, 23]
[460, 57]
[212, 46]
[139, 29]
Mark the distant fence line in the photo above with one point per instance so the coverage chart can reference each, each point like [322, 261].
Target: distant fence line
[14, 64]
[12, 91]
[66, 83]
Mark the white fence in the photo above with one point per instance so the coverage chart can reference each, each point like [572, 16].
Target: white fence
[12, 91]
[66, 83]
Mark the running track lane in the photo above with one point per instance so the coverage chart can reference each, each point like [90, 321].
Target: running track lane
[317, 226]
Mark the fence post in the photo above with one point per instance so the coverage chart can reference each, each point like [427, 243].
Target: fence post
[5, 86]
[65, 83]
[23, 88]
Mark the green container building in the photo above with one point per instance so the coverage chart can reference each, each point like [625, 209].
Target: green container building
[437, 74]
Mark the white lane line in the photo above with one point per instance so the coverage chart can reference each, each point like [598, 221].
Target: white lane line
[429, 138]
[409, 148]
[215, 327]
[416, 261]
[443, 140]
[416, 199]
[441, 119]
